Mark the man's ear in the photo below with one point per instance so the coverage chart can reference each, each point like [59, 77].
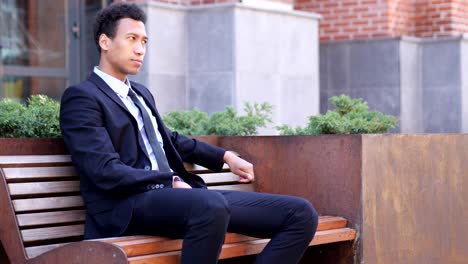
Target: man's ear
[104, 41]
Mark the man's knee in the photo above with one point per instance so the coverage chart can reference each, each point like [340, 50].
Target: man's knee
[211, 206]
[306, 216]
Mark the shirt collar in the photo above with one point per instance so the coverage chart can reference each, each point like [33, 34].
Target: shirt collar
[119, 87]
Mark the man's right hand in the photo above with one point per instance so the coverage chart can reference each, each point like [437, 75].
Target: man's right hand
[181, 184]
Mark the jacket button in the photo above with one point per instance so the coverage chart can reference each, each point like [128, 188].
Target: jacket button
[147, 168]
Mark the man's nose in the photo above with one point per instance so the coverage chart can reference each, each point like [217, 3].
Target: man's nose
[140, 49]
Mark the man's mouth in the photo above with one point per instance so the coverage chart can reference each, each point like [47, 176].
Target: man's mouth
[137, 61]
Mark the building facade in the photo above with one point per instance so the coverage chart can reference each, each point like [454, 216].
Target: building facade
[405, 57]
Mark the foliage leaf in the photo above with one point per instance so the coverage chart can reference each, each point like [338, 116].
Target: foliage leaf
[226, 123]
[39, 118]
[350, 116]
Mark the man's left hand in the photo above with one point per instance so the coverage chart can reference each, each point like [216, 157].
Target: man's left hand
[240, 167]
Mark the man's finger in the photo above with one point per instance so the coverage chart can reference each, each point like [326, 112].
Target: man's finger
[246, 177]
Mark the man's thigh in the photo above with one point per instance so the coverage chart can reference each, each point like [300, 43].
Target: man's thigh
[260, 214]
[165, 212]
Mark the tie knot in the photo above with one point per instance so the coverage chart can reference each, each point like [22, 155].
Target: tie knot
[132, 95]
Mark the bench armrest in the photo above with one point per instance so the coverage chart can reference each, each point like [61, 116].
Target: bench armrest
[83, 252]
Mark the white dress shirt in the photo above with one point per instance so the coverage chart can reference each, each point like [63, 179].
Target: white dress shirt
[121, 89]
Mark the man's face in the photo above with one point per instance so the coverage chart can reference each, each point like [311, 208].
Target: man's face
[124, 54]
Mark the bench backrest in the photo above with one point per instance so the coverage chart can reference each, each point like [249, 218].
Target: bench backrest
[41, 206]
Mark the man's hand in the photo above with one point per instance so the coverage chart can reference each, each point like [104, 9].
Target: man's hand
[180, 184]
[240, 167]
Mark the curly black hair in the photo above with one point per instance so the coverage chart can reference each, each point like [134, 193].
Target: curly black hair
[108, 18]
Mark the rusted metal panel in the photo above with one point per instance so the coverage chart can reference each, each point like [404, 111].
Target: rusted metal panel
[415, 198]
[32, 146]
[323, 169]
[326, 170]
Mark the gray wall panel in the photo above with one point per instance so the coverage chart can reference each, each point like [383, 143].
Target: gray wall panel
[441, 84]
[441, 112]
[367, 69]
[374, 64]
[210, 40]
[169, 91]
[210, 92]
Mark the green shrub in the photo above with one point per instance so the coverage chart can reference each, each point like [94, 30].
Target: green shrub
[350, 116]
[227, 123]
[191, 123]
[11, 113]
[39, 118]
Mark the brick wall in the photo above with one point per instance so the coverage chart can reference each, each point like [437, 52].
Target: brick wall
[401, 17]
[356, 19]
[440, 17]
[362, 19]
[460, 15]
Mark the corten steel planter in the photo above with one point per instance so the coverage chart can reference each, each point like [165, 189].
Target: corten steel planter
[405, 194]
[32, 146]
[51, 146]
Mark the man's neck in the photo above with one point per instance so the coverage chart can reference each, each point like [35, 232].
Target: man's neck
[104, 67]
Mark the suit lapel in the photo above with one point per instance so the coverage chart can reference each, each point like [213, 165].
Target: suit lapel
[150, 103]
[102, 85]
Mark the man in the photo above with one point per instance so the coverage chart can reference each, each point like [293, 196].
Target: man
[131, 166]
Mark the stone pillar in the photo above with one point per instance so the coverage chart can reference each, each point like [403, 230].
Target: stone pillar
[212, 56]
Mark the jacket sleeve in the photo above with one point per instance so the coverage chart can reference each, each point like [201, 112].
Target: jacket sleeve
[93, 154]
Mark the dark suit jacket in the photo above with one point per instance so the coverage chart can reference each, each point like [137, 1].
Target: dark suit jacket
[109, 155]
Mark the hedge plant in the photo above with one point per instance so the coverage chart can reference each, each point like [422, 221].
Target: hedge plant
[38, 118]
[226, 123]
[350, 116]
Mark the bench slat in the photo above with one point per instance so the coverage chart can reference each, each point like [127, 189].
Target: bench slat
[39, 173]
[143, 245]
[246, 248]
[34, 160]
[35, 219]
[220, 178]
[50, 203]
[334, 235]
[238, 187]
[197, 169]
[50, 233]
[331, 222]
[150, 244]
[42, 188]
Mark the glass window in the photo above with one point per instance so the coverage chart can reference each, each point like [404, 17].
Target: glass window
[32, 33]
[32, 48]
[20, 88]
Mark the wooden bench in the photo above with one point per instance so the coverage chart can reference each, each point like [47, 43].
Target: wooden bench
[42, 219]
